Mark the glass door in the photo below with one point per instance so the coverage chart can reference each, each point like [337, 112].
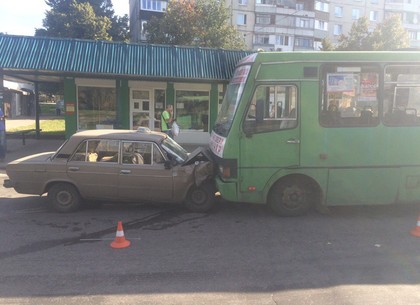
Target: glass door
[140, 109]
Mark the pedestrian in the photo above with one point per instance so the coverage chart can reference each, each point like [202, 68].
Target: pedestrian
[2, 135]
[166, 120]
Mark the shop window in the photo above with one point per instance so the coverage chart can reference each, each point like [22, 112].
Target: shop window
[350, 96]
[96, 107]
[192, 109]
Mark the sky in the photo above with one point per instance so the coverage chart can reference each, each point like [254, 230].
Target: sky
[22, 17]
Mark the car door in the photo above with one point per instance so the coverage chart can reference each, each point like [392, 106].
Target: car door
[142, 174]
[94, 169]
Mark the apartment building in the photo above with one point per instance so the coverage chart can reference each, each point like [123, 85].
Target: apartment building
[343, 13]
[294, 25]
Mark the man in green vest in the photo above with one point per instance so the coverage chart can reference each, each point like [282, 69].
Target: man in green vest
[166, 120]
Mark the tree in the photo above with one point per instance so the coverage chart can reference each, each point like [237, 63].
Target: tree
[202, 23]
[327, 45]
[388, 35]
[86, 19]
[358, 39]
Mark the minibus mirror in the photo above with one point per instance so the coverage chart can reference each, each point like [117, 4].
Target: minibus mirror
[259, 111]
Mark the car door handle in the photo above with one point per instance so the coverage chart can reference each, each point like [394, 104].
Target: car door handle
[73, 168]
[293, 141]
[125, 171]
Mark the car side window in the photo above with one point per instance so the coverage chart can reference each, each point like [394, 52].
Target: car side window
[97, 151]
[143, 153]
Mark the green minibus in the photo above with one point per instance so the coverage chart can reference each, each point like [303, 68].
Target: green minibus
[298, 130]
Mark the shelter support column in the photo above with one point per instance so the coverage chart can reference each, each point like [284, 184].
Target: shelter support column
[70, 106]
[123, 104]
[3, 147]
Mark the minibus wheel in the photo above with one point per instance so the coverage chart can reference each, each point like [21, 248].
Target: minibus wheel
[291, 196]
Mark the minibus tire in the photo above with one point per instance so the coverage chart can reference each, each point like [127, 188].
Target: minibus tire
[291, 196]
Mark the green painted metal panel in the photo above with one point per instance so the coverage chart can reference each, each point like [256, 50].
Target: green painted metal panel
[77, 56]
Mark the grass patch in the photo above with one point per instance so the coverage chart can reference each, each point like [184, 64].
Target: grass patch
[49, 127]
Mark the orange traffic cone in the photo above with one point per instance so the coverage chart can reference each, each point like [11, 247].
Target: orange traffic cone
[120, 241]
[416, 230]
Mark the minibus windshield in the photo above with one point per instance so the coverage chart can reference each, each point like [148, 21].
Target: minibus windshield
[231, 100]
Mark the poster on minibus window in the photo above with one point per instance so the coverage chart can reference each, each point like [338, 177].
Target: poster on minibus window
[368, 87]
[340, 82]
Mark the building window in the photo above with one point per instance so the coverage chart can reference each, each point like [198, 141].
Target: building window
[192, 109]
[321, 6]
[262, 39]
[269, 2]
[263, 19]
[96, 107]
[355, 13]
[282, 40]
[153, 5]
[373, 16]
[243, 2]
[241, 19]
[321, 25]
[304, 43]
[338, 11]
[303, 23]
[338, 29]
[374, 1]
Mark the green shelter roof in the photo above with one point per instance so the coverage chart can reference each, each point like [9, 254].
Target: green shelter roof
[60, 56]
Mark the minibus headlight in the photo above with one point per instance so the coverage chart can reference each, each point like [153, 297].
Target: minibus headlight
[224, 171]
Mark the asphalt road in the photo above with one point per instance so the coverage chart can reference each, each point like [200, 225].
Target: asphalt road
[238, 254]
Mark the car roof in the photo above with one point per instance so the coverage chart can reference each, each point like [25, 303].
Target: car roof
[112, 134]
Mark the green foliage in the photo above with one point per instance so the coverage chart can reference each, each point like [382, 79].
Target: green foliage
[327, 45]
[388, 35]
[84, 19]
[358, 39]
[203, 23]
[49, 127]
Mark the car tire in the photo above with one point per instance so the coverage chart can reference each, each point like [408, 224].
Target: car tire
[201, 198]
[64, 197]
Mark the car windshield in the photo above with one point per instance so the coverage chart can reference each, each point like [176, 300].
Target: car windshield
[174, 150]
[58, 150]
[231, 101]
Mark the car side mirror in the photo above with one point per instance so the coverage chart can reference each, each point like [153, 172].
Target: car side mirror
[168, 164]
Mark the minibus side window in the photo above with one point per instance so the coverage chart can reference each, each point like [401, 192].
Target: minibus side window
[401, 96]
[350, 96]
[272, 107]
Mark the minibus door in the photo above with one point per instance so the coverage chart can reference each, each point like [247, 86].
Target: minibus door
[271, 136]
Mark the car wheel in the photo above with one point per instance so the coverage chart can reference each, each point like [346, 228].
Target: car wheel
[201, 198]
[64, 197]
[292, 196]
